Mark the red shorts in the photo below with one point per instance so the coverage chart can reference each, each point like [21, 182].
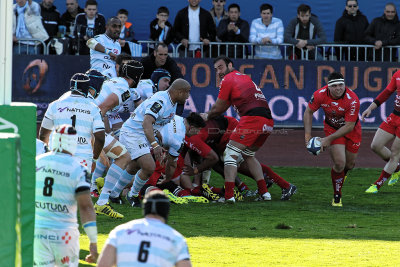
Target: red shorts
[252, 131]
[160, 170]
[391, 125]
[352, 140]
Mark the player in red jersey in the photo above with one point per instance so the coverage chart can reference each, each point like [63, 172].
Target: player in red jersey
[210, 143]
[341, 126]
[255, 125]
[389, 130]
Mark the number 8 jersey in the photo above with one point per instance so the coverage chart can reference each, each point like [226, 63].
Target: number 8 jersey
[80, 112]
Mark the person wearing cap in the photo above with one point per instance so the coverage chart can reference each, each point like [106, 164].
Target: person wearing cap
[147, 241]
[387, 132]
[341, 126]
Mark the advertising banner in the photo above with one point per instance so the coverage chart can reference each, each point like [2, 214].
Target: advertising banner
[288, 85]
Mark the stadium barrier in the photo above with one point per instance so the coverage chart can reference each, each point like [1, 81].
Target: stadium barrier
[37, 44]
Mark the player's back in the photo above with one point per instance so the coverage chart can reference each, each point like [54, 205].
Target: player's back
[58, 176]
[148, 242]
[173, 135]
[83, 114]
[145, 88]
[118, 86]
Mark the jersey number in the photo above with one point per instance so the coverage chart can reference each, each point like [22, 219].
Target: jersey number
[143, 251]
[48, 187]
[73, 118]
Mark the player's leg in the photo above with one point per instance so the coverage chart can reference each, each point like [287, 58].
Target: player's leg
[392, 164]
[147, 167]
[42, 253]
[378, 144]
[338, 154]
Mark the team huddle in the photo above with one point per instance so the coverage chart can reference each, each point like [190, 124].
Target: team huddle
[156, 156]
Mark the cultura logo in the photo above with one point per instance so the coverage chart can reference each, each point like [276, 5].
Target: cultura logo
[66, 238]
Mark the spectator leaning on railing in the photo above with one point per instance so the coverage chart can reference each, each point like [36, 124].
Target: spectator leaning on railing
[383, 31]
[305, 31]
[267, 30]
[349, 29]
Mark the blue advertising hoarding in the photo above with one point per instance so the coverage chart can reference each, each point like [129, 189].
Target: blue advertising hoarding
[288, 85]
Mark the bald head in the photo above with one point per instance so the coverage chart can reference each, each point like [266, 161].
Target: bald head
[179, 91]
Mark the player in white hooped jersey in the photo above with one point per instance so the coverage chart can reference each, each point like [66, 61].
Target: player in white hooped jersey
[105, 47]
[80, 111]
[137, 133]
[148, 241]
[113, 94]
[159, 81]
[62, 185]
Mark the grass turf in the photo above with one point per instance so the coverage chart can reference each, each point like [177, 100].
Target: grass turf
[305, 231]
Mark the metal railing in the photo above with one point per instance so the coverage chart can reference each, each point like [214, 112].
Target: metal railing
[31, 42]
[151, 44]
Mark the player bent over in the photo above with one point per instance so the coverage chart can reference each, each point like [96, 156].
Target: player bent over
[148, 241]
[341, 126]
[255, 125]
[388, 131]
[62, 185]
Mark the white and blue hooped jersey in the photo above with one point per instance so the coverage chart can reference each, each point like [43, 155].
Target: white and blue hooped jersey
[101, 61]
[118, 86]
[148, 242]
[59, 177]
[145, 88]
[80, 112]
[129, 105]
[173, 135]
[159, 106]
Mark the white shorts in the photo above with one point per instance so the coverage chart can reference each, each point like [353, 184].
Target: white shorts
[56, 247]
[108, 140]
[114, 118]
[136, 143]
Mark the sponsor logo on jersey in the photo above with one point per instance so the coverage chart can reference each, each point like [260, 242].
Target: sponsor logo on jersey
[53, 171]
[148, 234]
[82, 141]
[156, 107]
[74, 110]
[143, 145]
[52, 207]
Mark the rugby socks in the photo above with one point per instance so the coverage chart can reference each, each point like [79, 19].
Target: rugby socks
[183, 193]
[382, 179]
[274, 177]
[122, 182]
[229, 187]
[137, 185]
[196, 191]
[113, 174]
[262, 187]
[98, 172]
[337, 181]
[242, 186]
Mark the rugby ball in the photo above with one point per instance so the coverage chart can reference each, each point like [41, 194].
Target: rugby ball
[314, 146]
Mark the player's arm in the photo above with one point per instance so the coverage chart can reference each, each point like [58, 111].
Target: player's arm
[368, 111]
[342, 131]
[99, 139]
[88, 220]
[210, 157]
[307, 121]
[170, 167]
[148, 129]
[183, 263]
[93, 44]
[108, 104]
[108, 256]
[218, 108]
[44, 134]
[46, 126]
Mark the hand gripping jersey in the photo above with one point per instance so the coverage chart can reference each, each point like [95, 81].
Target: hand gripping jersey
[159, 106]
[101, 61]
[80, 112]
[240, 91]
[58, 177]
[148, 242]
[173, 135]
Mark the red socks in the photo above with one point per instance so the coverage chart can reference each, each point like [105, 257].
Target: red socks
[229, 186]
[262, 187]
[269, 173]
[382, 179]
[337, 181]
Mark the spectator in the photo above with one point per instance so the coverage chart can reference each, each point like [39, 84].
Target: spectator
[218, 11]
[194, 24]
[160, 59]
[349, 29]
[234, 30]
[127, 33]
[122, 243]
[383, 31]
[50, 17]
[68, 18]
[21, 8]
[267, 30]
[161, 28]
[88, 25]
[305, 31]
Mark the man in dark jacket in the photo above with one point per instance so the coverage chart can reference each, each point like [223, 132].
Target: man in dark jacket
[50, 17]
[234, 30]
[88, 25]
[201, 28]
[349, 29]
[68, 18]
[305, 31]
[383, 31]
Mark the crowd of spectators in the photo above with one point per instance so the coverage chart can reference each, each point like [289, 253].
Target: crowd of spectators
[194, 28]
